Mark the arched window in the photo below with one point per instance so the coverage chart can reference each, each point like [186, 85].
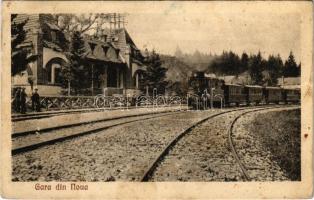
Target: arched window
[54, 70]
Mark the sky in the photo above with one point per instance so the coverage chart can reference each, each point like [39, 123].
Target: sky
[212, 28]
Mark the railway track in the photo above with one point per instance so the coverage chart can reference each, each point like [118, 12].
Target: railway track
[125, 151]
[33, 116]
[154, 165]
[235, 153]
[30, 140]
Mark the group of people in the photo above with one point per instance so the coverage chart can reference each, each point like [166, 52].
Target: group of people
[20, 100]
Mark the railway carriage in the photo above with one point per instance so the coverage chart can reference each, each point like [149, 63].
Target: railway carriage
[234, 94]
[291, 95]
[206, 90]
[254, 94]
[273, 95]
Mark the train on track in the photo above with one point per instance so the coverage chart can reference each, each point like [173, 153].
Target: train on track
[205, 92]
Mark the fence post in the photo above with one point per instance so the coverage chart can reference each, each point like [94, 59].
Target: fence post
[46, 101]
[211, 97]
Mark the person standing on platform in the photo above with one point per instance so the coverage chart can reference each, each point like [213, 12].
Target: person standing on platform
[36, 101]
[17, 102]
[23, 101]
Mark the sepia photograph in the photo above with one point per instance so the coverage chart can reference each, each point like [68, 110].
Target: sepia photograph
[162, 94]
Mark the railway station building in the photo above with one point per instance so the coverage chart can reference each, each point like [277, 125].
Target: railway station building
[114, 59]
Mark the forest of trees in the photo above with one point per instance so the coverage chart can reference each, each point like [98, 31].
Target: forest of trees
[262, 71]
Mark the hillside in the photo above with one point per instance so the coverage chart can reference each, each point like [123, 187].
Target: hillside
[178, 71]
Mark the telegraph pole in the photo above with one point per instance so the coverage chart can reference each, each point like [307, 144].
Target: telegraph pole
[117, 20]
[92, 79]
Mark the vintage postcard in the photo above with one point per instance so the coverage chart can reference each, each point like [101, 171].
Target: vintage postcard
[156, 99]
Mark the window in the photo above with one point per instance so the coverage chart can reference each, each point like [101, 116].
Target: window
[53, 36]
[54, 74]
[58, 75]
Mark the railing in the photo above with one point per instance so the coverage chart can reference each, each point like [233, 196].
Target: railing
[61, 102]
[49, 103]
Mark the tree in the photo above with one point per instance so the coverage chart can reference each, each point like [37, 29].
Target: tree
[20, 56]
[178, 53]
[74, 26]
[226, 64]
[75, 72]
[244, 63]
[273, 67]
[256, 68]
[290, 68]
[81, 23]
[155, 75]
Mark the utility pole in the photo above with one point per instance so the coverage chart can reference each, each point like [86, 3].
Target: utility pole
[123, 21]
[92, 79]
[119, 20]
[114, 21]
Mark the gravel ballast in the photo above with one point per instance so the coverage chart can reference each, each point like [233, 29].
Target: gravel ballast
[123, 153]
[118, 154]
[204, 154]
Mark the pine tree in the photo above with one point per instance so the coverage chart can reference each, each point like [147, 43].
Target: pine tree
[256, 68]
[274, 66]
[178, 53]
[299, 69]
[244, 62]
[290, 68]
[155, 74]
[76, 71]
[20, 56]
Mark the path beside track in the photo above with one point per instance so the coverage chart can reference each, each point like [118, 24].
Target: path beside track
[52, 122]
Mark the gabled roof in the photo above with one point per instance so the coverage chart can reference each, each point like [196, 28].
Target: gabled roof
[121, 39]
[289, 81]
[242, 79]
[102, 51]
[229, 79]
